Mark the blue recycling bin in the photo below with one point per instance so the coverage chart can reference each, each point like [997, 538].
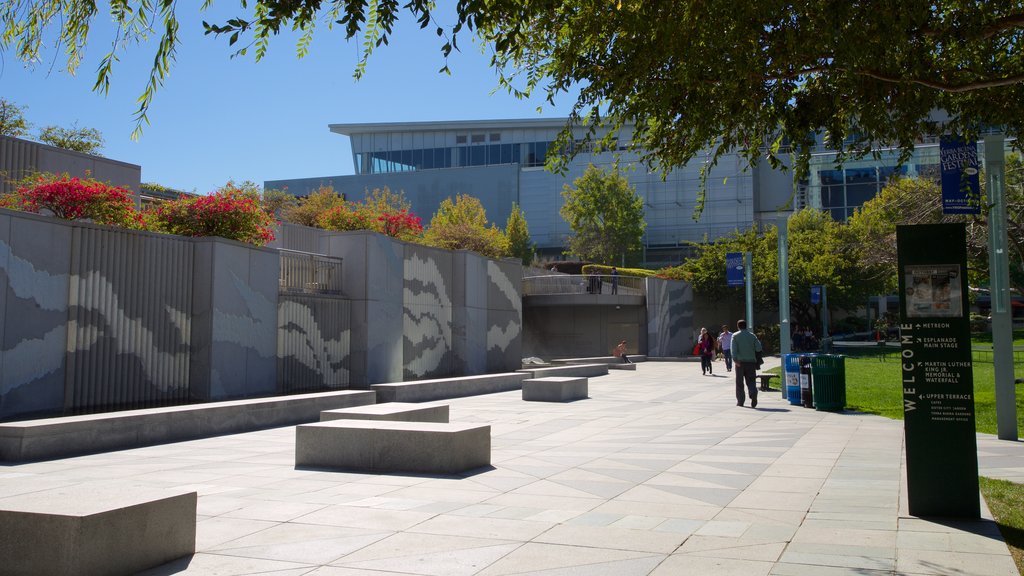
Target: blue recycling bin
[791, 378]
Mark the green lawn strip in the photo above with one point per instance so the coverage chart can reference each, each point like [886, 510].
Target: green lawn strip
[1006, 501]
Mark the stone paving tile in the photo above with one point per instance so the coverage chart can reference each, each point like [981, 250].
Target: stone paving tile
[656, 473]
[539, 558]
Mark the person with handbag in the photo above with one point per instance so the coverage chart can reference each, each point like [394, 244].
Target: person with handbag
[746, 350]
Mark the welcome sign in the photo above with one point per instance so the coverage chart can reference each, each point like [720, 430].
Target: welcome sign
[937, 371]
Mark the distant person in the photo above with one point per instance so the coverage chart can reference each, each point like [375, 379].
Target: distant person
[725, 345]
[706, 349]
[615, 280]
[620, 352]
[745, 349]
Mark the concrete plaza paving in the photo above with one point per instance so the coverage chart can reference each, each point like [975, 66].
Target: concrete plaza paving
[658, 472]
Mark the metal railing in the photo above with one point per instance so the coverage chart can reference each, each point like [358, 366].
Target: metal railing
[308, 273]
[583, 284]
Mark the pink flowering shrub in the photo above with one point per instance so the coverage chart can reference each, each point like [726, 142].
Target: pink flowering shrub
[77, 199]
[229, 213]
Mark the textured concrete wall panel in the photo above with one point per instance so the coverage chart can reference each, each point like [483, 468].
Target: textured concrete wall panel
[244, 324]
[504, 315]
[35, 254]
[427, 307]
[128, 319]
[312, 342]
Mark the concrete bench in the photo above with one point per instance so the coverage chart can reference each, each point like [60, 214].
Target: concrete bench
[102, 530]
[622, 366]
[385, 446]
[554, 389]
[75, 435]
[569, 370]
[600, 359]
[395, 411]
[443, 388]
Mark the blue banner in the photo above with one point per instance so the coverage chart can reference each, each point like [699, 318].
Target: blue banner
[734, 269]
[816, 294]
[960, 188]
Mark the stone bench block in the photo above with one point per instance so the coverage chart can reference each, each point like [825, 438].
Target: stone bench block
[88, 433]
[573, 370]
[622, 366]
[103, 530]
[386, 446]
[396, 411]
[443, 388]
[554, 389]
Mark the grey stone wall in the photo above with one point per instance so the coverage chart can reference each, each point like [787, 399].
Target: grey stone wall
[20, 158]
[669, 317]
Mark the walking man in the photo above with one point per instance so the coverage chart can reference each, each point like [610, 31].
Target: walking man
[745, 347]
[725, 344]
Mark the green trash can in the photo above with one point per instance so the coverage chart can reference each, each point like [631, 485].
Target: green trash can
[828, 371]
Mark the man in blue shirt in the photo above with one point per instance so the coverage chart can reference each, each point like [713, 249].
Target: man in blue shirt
[745, 347]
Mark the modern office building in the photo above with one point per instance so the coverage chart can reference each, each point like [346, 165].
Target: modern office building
[502, 161]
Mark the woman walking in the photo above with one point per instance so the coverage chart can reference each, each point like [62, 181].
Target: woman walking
[706, 348]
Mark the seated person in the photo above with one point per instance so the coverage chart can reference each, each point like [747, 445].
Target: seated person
[620, 352]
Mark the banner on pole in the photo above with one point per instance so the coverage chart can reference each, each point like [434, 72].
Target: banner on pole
[961, 192]
[734, 269]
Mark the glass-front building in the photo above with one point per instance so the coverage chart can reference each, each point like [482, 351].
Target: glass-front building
[501, 162]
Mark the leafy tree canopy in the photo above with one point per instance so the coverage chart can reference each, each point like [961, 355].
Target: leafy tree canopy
[820, 252]
[606, 217]
[85, 140]
[759, 77]
[462, 225]
[310, 207]
[518, 234]
[12, 119]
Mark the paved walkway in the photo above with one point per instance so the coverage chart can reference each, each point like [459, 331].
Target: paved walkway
[659, 472]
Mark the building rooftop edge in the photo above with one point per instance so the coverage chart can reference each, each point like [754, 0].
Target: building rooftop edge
[349, 129]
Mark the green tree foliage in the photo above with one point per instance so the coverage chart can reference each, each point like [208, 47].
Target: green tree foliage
[277, 202]
[310, 207]
[518, 234]
[85, 140]
[1015, 219]
[384, 201]
[606, 217]
[754, 76]
[381, 211]
[12, 119]
[819, 253]
[462, 225]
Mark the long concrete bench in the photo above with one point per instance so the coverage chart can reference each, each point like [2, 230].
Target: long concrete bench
[587, 370]
[385, 446]
[101, 530]
[443, 388]
[600, 359]
[554, 389]
[395, 411]
[75, 435]
[622, 366]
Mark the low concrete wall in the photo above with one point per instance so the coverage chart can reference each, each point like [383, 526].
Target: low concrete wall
[95, 530]
[394, 411]
[74, 435]
[440, 389]
[554, 389]
[382, 446]
[570, 370]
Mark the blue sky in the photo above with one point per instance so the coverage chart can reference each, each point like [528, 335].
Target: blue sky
[218, 118]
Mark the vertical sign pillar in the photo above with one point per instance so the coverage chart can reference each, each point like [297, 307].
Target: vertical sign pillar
[749, 269]
[999, 290]
[784, 328]
[937, 377]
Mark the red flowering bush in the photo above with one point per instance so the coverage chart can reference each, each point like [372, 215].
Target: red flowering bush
[401, 225]
[78, 198]
[229, 213]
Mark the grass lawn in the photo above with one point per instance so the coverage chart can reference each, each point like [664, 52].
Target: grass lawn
[1006, 501]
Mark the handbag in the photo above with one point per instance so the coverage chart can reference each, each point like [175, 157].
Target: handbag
[759, 356]
[696, 349]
